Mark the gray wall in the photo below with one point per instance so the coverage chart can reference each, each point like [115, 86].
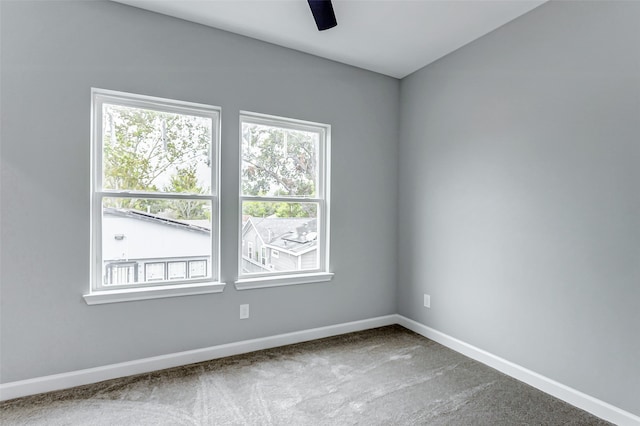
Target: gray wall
[52, 54]
[518, 209]
[519, 203]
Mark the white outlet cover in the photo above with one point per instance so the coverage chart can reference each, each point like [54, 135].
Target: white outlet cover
[427, 301]
[244, 311]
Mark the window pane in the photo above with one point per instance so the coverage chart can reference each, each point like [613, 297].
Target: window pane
[284, 233]
[143, 233]
[154, 271]
[278, 161]
[147, 150]
[177, 270]
[197, 268]
[121, 273]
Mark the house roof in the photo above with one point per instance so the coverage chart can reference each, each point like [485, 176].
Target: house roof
[191, 225]
[296, 234]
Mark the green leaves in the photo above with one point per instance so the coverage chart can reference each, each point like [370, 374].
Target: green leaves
[279, 209]
[185, 180]
[278, 161]
[154, 151]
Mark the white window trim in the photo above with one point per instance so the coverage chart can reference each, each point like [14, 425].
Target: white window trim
[98, 294]
[157, 292]
[246, 281]
[263, 255]
[282, 280]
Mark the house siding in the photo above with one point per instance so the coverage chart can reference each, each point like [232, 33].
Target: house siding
[148, 239]
[284, 262]
[310, 260]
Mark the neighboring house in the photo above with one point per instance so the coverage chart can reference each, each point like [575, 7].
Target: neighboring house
[279, 244]
[143, 247]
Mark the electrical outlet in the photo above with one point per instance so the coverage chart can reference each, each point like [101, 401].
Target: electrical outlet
[427, 301]
[244, 311]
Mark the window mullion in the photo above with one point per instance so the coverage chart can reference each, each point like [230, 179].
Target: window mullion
[155, 195]
[280, 199]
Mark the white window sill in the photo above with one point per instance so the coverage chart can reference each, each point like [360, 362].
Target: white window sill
[142, 293]
[282, 280]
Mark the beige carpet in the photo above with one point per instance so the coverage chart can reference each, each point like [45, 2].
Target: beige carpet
[386, 376]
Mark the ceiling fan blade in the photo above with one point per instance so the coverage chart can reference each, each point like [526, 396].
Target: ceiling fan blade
[322, 11]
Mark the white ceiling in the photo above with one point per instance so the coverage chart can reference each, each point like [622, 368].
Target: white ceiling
[392, 37]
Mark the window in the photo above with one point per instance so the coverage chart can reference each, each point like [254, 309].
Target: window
[197, 268]
[284, 200]
[154, 271]
[177, 270]
[154, 196]
[121, 273]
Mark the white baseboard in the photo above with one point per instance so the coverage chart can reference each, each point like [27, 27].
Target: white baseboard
[93, 375]
[574, 397]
